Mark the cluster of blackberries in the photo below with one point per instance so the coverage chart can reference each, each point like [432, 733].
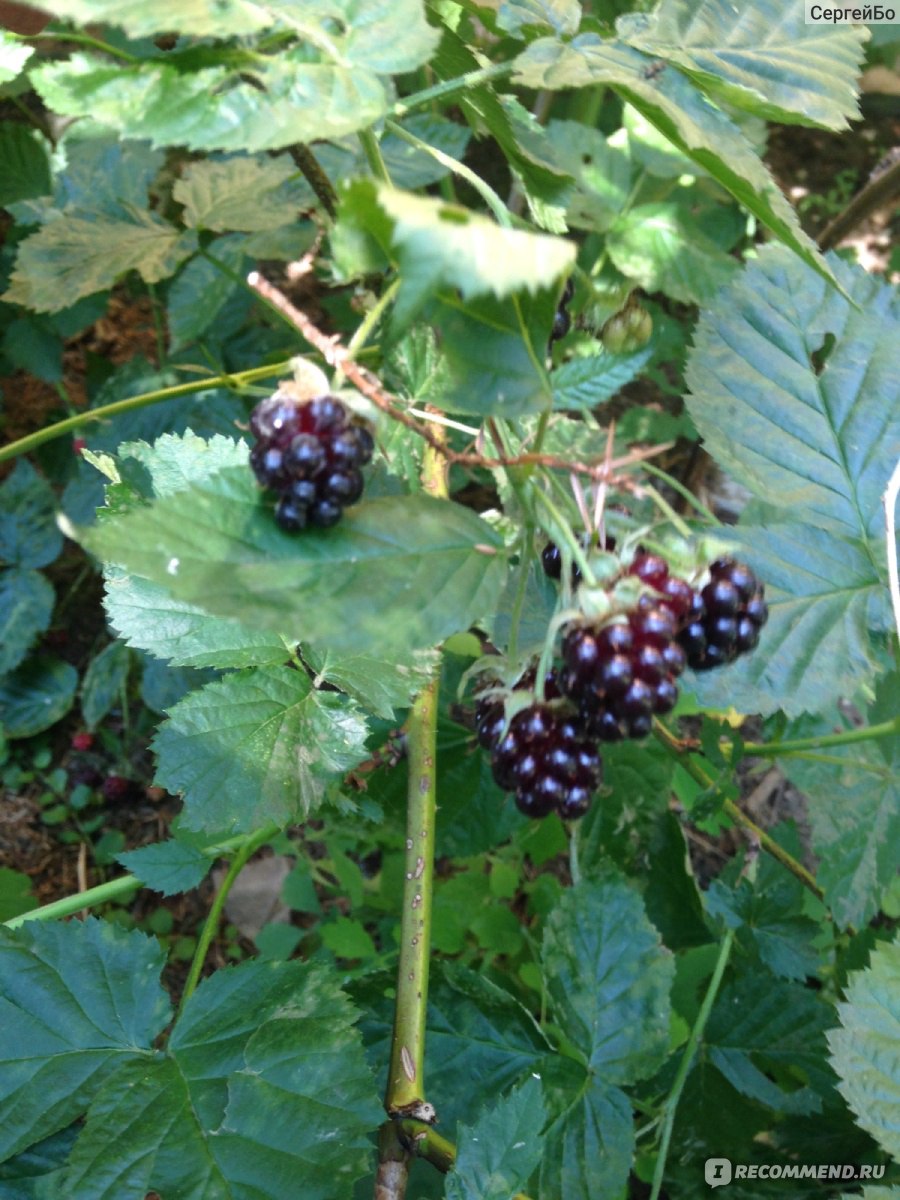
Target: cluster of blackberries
[543, 756]
[562, 322]
[731, 613]
[310, 454]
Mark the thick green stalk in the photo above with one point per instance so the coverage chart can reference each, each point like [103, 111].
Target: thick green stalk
[449, 87]
[687, 1059]
[425, 1142]
[374, 157]
[25, 445]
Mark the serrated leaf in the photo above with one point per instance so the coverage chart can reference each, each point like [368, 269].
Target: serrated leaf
[865, 1049]
[609, 979]
[445, 245]
[257, 746]
[497, 1154]
[168, 867]
[768, 60]
[397, 572]
[854, 811]
[762, 1027]
[26, 606]
[26, 167]
[176, 461]
[293, 101]
[263, 1080]
[820, 440]
[64, 1034]
[202, 289]
[103, 682]
[660, 247]
[671, 103]
[75, 256]
[587, 381]
[241, 193]
[378, 684]
[589, 1149]
[36, 695]
[14, 54]
[28, 533]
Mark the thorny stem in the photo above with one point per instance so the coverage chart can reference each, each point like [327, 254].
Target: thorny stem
[687, 1059]
[739, 817]
[239, 379]
[405, 1092]
[309, 167]
[114, 889]
[449, 87]
[338, 357]
[211, 924]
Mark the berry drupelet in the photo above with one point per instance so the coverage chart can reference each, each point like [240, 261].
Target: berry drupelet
[311, 454]
[731, 612]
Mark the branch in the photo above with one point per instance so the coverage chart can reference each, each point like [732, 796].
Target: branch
[877, 193]
[365, 382]
[308, 165]
[420, 1139]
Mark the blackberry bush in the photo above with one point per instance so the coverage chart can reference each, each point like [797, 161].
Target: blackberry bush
[310, 453]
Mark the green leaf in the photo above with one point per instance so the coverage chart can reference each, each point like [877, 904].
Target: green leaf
[31, 344]
[244, 193]
[562, 16]
[263, 1080]
[670, 102]
[865, 1049]
[854, 811]
[291, 100]
[762, 1030]
[26, 606]
[14, 54]
[64, 1034]
[36, 695]
[104, 679]
[28, 533]
[769, 60]
[176, 461]
[347, 938]
[826, 597]
[497, 1154]
[378, 684]
[589, 1148]
[664, 250]
[76, 256]
[671, 894]
[16, 895]
[585, 382]
[26, 167]
[202, 289]
[168, 867]
[819, 440]
[204, 18]
[397, 572]
[257, 746]
[609, 979]
[440, 245]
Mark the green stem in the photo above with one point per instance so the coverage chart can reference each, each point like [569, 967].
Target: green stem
[574, 865]
[423, 1141]
[113, 889]
[374, 157]
[449, 87]
[667, 510]
[26, 444]
[864, 734]
[406, 1075]
[82, 39]
[739, 817]
[568, 537]
[211, 924]
[367, 324]
[677, 486]
[687, 1060]
[521, 589]
[484, 190]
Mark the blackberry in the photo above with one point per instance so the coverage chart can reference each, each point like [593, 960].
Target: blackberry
[676, 595]
[622, 674]
[731, 612]
[562, 323]
[311, 455]
[551, 558]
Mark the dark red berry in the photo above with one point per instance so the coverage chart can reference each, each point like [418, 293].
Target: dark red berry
[650, 568]
[274, 417]
[326, 413]
[677, 596]
[115, 788]
[82, 740]
[747, 635]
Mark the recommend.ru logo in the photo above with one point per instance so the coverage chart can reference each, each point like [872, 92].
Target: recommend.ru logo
[717, 1171]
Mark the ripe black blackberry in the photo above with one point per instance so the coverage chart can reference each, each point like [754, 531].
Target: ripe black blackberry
[562, 321]
[732, 611]
[622, 674]
[551, 558]
[310, 453]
